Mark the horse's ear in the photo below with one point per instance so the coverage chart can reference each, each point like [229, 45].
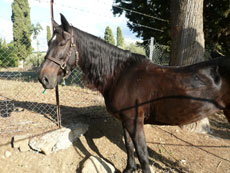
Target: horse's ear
[65, 23]
[55, 24]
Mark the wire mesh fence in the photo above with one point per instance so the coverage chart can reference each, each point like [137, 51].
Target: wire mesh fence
[157, 53]
[22, 100]
[24, 107]
[160, 54]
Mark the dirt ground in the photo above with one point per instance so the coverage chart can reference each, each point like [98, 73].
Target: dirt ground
[171, 149]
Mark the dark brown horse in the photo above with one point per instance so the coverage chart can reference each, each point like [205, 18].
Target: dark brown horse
[135, 90]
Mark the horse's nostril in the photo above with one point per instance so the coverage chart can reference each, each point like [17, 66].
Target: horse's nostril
[45, 80]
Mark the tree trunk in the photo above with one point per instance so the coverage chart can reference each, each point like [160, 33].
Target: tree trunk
[187, 32]
[188, 40]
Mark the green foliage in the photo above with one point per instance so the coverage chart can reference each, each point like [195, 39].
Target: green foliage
[134, 48]
[216, 22]
[21, 28]
[8, 55]
[120, 38]
[109, 36]
[34, 59]
[48, 33]
[217, 26]
[156, 8]
[36, 29]
[3, 43]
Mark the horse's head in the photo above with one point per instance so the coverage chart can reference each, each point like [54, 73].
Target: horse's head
[61, 57]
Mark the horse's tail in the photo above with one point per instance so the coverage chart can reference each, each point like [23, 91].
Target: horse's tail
[224, 64]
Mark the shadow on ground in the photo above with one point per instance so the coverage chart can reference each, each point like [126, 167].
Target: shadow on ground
[101, 124]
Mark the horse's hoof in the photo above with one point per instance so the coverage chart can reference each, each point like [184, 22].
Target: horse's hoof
[130, 170]
[148, 170]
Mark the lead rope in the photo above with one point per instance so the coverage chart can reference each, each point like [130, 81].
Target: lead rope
[58, 107]
[56, 89]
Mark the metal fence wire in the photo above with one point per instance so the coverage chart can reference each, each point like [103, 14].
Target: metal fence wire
[25, 108]
[157, 53]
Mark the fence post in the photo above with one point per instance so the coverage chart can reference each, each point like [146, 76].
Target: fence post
[151, 48]
[52, 14]
[56, 89]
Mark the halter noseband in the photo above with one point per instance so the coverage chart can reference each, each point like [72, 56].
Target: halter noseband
[62, 63]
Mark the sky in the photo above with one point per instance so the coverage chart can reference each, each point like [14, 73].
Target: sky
[91, 16]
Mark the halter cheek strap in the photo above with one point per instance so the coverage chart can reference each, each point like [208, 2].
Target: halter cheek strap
[63, 63]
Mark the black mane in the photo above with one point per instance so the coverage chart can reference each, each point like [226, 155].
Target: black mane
[100, 61]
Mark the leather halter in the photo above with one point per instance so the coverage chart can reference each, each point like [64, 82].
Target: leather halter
[63, 63]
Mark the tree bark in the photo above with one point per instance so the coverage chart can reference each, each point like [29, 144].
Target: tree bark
[188, 41]
[187, 32]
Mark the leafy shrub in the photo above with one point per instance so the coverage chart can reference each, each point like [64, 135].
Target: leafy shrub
[132, 47]
[8, 56]
[35, 59]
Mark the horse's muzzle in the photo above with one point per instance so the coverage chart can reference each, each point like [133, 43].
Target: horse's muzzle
[46, 82]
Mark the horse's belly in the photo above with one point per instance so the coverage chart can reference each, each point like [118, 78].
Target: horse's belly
[174, 112]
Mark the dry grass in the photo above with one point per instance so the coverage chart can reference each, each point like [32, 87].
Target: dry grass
[170, 148]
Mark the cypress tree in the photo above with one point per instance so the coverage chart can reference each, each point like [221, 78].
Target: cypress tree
[109, 36]
[48, 33]
[21, 28]
[120, 38]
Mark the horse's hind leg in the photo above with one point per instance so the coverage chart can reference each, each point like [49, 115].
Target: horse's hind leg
[141, 148]
[131, 165]
[135, 128]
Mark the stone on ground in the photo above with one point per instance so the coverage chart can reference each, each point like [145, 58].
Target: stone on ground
[58, 140]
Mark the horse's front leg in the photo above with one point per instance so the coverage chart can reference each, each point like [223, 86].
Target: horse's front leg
[131, 165]
[135, 128]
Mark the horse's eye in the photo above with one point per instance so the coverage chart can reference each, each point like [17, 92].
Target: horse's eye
[62, 43]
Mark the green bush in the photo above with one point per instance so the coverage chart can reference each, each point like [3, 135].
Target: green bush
[8, 56]
[35, 59]
[132, 47]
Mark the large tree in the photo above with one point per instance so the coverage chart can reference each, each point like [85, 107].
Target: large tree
[152, 13]
[187, 46]
[156, 14]
[187, 37]
[217, 26]
[21, 28]
[109, 36]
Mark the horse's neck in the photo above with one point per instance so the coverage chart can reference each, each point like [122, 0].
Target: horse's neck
[98, 64]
